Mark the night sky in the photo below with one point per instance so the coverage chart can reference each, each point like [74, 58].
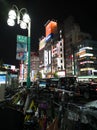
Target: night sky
[40, 11]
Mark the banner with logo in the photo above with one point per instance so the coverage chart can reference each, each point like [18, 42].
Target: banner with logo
[21, 50]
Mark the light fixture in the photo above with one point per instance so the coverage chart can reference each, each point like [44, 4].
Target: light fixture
[12, 14]
[23, 25]
[26, 18]
[10, 22]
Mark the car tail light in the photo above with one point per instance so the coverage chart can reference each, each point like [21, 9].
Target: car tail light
[96, 89]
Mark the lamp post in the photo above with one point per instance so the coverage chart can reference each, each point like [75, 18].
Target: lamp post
[25, 23]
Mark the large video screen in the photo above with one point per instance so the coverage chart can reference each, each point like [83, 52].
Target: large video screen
[2, 79]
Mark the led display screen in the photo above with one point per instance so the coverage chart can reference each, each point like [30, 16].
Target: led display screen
[2, 79]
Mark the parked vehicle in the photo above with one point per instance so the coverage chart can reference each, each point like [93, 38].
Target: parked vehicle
[71, 87]
[44, 83]
[87, 90]
[81, 117]
[66, 85]
[53, 83]
[66, 82]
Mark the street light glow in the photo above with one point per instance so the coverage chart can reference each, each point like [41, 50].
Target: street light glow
[26, 18]
[10, 22]
[12, 14]
[25, 23]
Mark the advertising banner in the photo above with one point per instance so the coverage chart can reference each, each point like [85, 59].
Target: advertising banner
[51, 28]
[21, 51]
[21, 56]
[21, 47]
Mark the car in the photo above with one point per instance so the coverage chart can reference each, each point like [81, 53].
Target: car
[65, 82]
[43, 83]
[53, 83]
[80, 116]
[87, 90]
[71, 87]
[66, 85]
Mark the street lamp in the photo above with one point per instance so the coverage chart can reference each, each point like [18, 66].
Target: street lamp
[25, 23]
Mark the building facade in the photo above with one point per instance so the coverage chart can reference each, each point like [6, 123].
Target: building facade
[86, 60]
[72, 37]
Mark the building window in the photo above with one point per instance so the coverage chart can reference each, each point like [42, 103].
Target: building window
[61, 61]
[60, 49]
[60, 44]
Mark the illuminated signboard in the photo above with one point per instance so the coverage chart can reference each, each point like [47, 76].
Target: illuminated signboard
[51, 27]
[42, 44]
[61, 73]
[11, 67]
[45, 58]
[49, 37]
[21, 47]
[21, 71]
[21, 56]
[2, 78]
[21, 43]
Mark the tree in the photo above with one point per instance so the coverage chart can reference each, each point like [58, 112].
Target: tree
[39, 75]
[56, 75]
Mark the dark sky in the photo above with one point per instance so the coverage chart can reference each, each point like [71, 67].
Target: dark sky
[40, 11]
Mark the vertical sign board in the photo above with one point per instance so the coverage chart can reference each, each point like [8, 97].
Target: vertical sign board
[21, 52]
[51, 28]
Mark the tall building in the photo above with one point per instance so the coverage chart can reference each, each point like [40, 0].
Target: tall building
[86, 59]
[42, 44]
[69, 52]
[72, 36]
[34, 67]
[51, 51]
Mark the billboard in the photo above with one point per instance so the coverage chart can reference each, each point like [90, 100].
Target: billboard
[42, 44]
[51, 28]
[7, 66]
[21, 51]
[48, 38]
[21, 56]
[21, 47]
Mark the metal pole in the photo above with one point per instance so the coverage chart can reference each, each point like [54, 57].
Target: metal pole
[29, 37]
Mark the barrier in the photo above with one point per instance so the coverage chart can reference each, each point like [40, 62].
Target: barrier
[53, 125]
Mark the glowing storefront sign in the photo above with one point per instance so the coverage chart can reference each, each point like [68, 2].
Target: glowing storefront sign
[45, 58]
[61, 73]
[84, 62]
[85, 69]
[84, 48]
[87, 54]
[81, 53]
